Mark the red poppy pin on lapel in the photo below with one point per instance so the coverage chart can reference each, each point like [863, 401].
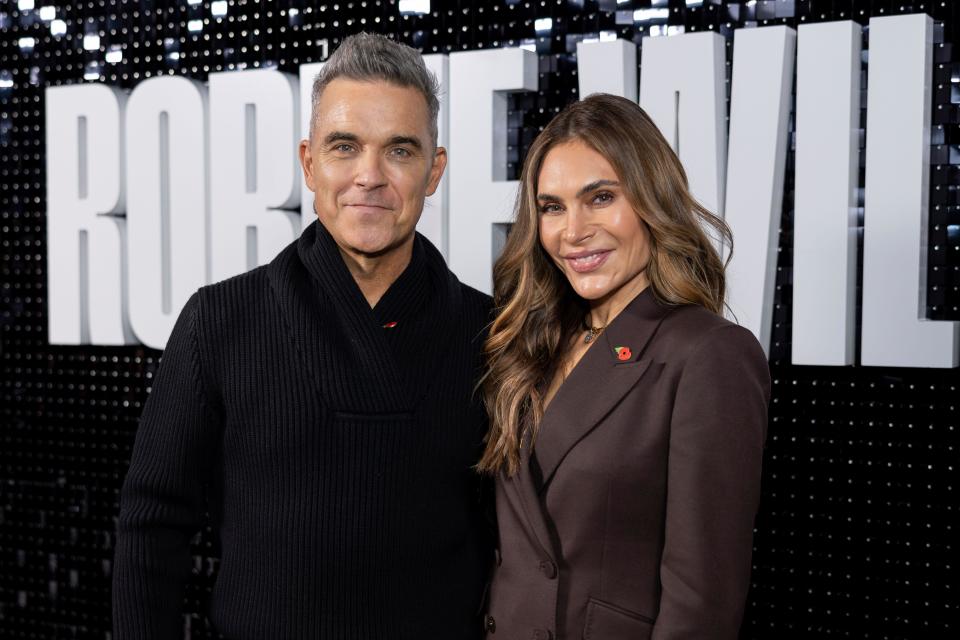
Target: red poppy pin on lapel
[623, 353]
[390, 325]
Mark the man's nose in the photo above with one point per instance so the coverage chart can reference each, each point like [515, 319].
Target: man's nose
[370, 173]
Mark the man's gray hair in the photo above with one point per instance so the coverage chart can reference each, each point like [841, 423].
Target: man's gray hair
[371, 56]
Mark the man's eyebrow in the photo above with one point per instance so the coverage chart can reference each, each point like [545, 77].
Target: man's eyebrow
[413, 141]
[343, 136]
[335, 136]
[587, 188]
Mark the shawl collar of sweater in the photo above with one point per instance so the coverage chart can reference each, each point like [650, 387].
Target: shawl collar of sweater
[343, 343]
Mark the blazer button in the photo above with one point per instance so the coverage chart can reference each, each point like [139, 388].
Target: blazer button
[548, 568]
[489, 624]
[542, 634]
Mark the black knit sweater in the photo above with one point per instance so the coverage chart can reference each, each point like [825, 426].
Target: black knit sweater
[332, 448]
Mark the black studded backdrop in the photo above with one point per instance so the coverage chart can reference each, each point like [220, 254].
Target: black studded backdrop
[858, 531]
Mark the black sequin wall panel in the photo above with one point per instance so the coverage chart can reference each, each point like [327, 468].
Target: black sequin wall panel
[857, 534]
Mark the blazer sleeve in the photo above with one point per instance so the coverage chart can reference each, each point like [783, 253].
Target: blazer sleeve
[717, 432]
[162, 500]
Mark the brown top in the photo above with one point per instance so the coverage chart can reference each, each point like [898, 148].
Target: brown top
[640, 522]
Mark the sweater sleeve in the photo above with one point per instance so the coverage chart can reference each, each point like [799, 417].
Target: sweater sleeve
[717, 433]
[162, 500]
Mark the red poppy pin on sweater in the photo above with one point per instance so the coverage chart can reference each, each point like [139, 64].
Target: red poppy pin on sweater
[623, 353]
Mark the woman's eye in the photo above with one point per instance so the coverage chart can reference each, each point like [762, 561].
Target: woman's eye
[550, 208]
[603, 198]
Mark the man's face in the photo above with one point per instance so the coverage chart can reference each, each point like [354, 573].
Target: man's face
[370, 163]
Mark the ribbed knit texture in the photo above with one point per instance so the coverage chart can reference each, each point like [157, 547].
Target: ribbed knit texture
[333, 454]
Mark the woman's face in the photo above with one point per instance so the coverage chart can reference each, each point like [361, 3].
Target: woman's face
[588, 228]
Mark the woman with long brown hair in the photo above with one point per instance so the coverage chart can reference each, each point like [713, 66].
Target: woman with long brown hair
[627, 415]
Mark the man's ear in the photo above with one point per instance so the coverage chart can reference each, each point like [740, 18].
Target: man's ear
[306, 163]
[436, 171]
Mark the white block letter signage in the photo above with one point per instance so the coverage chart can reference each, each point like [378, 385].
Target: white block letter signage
[85, 243]
[607, 67]
[682, 88]
[254, 175]
[167, 221]
[759, 115]
[434, 220]
[480, 194]
[308, 72]
[215, 187]
[825, 194]
[894, 333]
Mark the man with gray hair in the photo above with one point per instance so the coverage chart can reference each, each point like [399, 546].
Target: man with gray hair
[321, 408]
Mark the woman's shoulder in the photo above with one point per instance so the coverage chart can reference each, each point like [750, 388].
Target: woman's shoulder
[692, 329]
[693, 319]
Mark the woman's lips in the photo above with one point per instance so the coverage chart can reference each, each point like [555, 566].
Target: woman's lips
[588, 262]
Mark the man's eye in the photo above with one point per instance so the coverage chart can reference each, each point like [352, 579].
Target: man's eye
[343, 148]
[400, 152]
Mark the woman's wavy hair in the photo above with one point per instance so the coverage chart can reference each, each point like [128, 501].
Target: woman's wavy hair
[538, 313]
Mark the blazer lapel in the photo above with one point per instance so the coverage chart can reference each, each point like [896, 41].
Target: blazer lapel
[607, 371]
[523, 492]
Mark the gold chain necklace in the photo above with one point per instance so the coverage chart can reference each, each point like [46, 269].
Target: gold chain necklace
[592, 332]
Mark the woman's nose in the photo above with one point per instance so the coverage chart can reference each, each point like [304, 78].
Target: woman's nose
[577, 227]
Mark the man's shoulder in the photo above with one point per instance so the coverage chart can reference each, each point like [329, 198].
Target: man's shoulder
[246, 287]
[476, 314]
[476, 300]
[476, 309]
[472, 300]
[233, 307]
[252, 288]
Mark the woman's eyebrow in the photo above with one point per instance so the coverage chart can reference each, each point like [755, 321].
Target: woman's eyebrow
[587, 188]
[596, 184]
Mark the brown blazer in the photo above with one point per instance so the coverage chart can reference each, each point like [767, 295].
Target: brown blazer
[641, 523]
